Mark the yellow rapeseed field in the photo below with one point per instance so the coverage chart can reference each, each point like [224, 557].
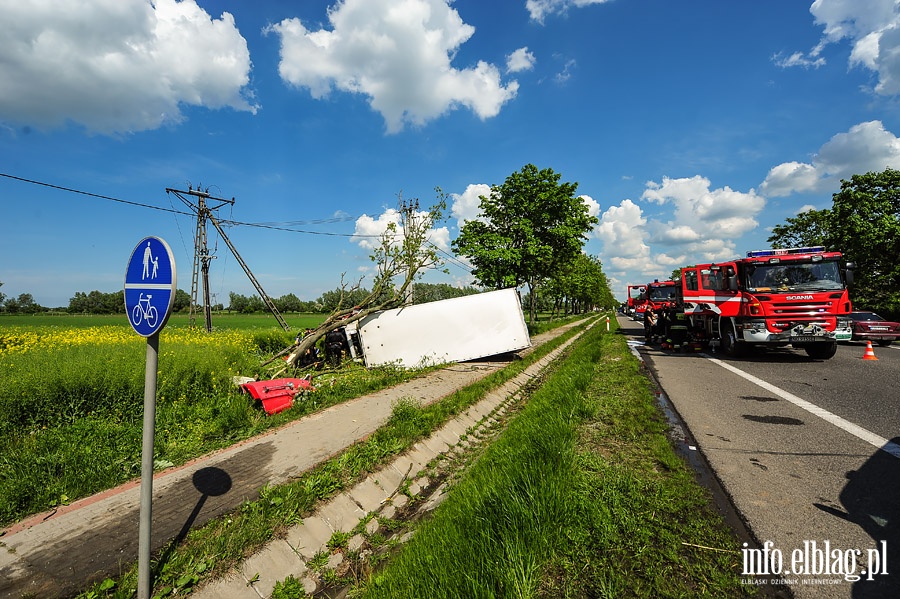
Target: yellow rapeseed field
[20, 340]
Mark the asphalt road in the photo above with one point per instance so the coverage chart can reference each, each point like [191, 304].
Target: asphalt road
[809, 452]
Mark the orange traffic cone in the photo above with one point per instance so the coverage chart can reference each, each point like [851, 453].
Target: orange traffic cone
[870, 353]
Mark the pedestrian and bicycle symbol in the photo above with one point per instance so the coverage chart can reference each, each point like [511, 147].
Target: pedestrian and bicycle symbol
[150, 286]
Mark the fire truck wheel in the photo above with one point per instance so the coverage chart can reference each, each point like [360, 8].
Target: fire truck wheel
[730, 346]
[821, 351]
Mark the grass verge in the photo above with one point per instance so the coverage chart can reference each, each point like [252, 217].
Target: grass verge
[581, 496]
[210, 551]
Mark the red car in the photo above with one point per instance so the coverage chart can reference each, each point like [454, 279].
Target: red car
[868, 326]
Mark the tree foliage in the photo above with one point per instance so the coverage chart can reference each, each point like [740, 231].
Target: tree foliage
[579, 287]
[403, 252]
[864, 224]
[808, 228]
[23, 304]
[431, 292]
[530, 227]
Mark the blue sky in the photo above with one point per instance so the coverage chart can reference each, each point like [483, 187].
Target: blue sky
[691, 128]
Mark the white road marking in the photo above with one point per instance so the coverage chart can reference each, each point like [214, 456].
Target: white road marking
[845, 425]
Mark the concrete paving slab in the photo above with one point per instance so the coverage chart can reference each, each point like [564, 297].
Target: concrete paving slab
[368, 495]
[355, 543]
[231, 587]
[405, 466]
[335, 560]
[271, 565]
[420, 456]
[372, 526]
[467, 420]
[456, 427]
[436, 444]
[310, 537]
[447, 435]
[389, 479]
[341, 513]
[478, 412]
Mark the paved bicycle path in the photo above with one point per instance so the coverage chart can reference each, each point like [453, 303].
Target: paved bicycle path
[58, 553]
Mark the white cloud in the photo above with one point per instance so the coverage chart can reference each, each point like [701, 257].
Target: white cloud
[798, 59]
[466, 206]
[539, 9]
[873, 30]
[714, 214]
[704, 227]
[592, 205]
[118, 66]
[520, 60]
[863, 148]
[621, 229]
[398, 54]
[565, 74]
[370, 230]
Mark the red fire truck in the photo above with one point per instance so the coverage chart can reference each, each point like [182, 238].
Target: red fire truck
[771, 298]
[637, 301]
[660, 294]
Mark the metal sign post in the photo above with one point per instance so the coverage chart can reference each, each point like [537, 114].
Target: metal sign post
[149, 295]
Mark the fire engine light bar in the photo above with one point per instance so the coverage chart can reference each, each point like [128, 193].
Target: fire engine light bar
[782, 252]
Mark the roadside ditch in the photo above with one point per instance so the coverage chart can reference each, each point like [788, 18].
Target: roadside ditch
[686, 447]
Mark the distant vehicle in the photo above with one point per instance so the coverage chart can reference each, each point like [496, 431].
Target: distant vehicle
[868, 326]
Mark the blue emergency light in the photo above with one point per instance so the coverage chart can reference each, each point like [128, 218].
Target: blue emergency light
[784, 252]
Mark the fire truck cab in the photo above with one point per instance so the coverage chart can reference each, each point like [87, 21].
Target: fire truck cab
[637, 301]
[771, 298]
[661, 294]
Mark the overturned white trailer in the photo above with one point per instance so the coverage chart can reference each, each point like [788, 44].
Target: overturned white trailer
[451, 330]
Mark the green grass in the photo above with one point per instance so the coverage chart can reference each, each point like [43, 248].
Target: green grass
[581, 496]
[71, 404]
[212, 550]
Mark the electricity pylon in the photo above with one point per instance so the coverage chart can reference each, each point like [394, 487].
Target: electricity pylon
[202, 256]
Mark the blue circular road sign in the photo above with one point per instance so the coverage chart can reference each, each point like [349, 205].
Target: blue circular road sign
[150, 286]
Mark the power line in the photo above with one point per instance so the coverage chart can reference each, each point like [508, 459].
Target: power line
[94, 195]
[453, 259]
[273, 226]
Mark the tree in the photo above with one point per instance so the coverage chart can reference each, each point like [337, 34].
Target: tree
[237, 302]
[332, 300]
[182, 301]
[288, 303]
[530, 226]
[865, 226]
[432, 292]
[403, 252]
[24, 304]
[2, 295]
[580, 286]
[808, 228]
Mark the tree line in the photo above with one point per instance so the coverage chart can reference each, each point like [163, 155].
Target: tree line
[98, 302]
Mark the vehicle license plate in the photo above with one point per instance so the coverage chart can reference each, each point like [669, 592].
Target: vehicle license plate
[878, 328]
[803, 339]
